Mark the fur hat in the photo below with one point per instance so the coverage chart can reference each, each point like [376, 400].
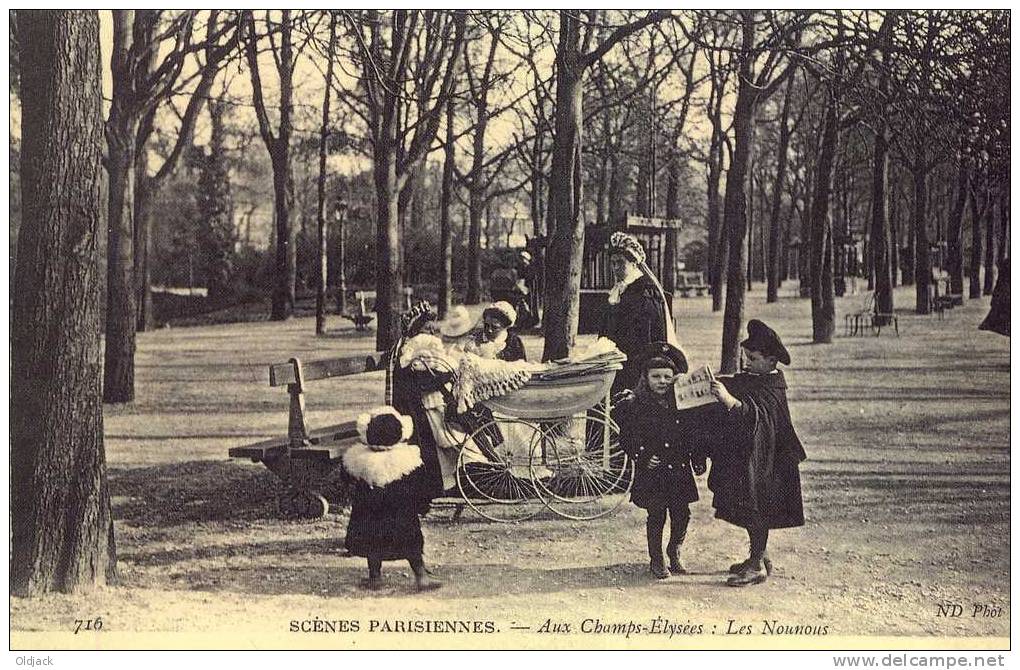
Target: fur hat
[413, 319]
[457, 323]
[503, 310]
[384, 427]
[663, 354]
[622, 243]
[766, 341]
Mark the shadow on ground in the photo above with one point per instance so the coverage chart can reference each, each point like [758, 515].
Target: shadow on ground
[198, 491]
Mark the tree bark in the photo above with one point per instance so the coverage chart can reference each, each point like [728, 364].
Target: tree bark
[989, 283]
[823, 311]
[320, 292]
[954, 231]
[285, 266]
[918, 224]
[445, 225]
[735, 212]
[716, 249]
[563, 265]
[121, 130]
[775, 226]
[975, 243]
[61, 524]
[879, 230]
[145, 199]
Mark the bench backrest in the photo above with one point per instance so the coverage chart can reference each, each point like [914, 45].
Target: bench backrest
[293, 374]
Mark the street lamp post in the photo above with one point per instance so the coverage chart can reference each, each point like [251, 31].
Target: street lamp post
[339, 214]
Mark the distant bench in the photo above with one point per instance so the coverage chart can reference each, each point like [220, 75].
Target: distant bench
[364, 307]
[691, 281]
[304, 459]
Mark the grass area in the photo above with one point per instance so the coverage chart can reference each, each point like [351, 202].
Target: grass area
[906, 491]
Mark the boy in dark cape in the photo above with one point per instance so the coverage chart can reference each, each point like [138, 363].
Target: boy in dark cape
[755, 475]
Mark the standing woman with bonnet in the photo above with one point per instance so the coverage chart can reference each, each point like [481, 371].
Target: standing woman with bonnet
[637, 314]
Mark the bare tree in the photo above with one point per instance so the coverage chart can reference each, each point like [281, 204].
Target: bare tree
[403, 116]
[320, 294]
[279, 146]
[575, 54]
[218, 46]
[61, 524]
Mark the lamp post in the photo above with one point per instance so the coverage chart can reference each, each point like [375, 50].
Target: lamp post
[339, 214]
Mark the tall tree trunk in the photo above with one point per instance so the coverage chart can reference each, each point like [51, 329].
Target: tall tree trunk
[476, 211]
[320, 292]
[879, 247]
[445, 225]
[716, 248]
[750, 224]
[283, 183]
[566, 242]
[975, 244]
[735, 212]
[1003, 250]
[389, 276]
[121, 133]
[954, 232]
[61, 524]
[145, 197]
[990, 245]
[918, 215]
[775, 232]
[672, 212]
[823, 311]
[894, 229]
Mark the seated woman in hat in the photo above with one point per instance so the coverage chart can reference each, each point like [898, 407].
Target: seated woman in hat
[637, 313]
[653, 434]
[755, 474]
[496, 339]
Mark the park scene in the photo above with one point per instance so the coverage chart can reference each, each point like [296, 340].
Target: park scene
[291, 284]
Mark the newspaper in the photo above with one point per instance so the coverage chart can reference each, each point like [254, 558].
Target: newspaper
[694, 389]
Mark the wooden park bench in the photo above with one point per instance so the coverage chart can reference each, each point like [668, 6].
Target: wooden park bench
[364, 307]
[304, 459]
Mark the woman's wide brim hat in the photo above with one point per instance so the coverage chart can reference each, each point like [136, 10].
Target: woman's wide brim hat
[765, 341]
[663, 354]
[457, 322]
[628, 245]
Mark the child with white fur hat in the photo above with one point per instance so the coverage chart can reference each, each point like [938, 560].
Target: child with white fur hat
[390, 493]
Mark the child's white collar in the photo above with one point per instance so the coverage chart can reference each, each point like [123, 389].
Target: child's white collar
[379, 468]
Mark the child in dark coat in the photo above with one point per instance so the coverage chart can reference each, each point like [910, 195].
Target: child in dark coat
[391, 491]
[755, 474]
[653, 435]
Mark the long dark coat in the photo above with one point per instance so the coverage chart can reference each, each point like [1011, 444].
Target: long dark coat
[408, 388]
[634, 322]
[756, 454]
[385, 521]
[649, 429]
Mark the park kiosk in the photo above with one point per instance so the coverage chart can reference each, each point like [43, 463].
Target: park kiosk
[657, 236]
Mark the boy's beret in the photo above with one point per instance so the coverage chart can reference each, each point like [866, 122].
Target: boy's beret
[766, 341]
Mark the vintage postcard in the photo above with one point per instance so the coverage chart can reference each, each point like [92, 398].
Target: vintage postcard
[523, 329]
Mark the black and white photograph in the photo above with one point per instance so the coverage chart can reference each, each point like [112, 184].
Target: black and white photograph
[510, 329]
